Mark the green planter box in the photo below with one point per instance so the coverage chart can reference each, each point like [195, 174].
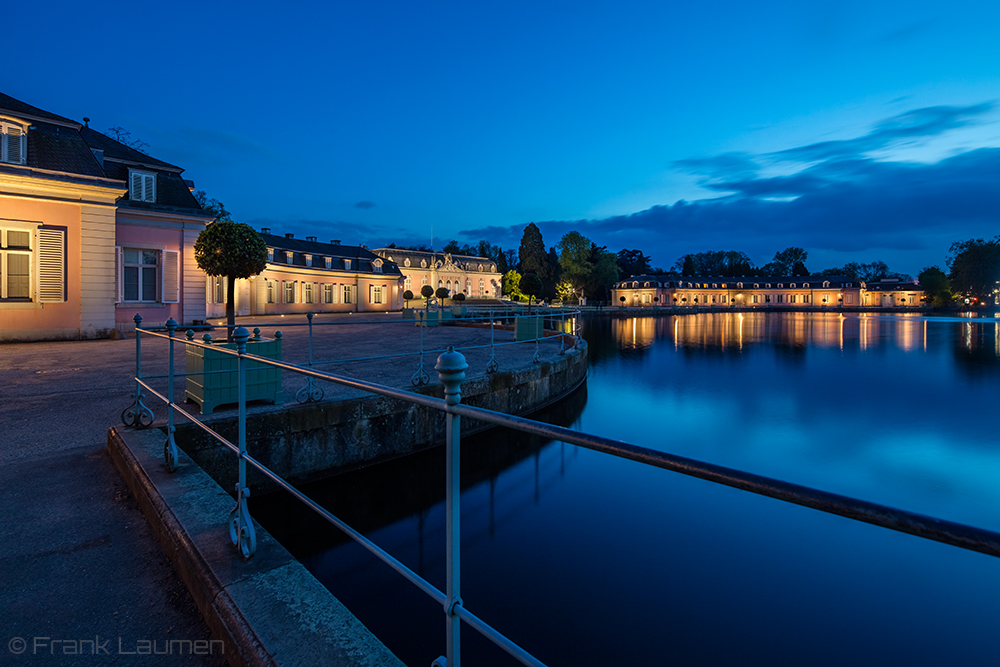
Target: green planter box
[528, 328]
[219, 388]
[408, 314]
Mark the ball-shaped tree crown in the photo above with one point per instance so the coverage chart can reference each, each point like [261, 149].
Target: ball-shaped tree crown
[459, 297]
[408, 295]
[427, 291]
[441, 293]
[232, 249]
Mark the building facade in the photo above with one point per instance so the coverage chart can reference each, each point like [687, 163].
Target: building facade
[475, 277]
[307, 275]
[91, 232]
[763, 292]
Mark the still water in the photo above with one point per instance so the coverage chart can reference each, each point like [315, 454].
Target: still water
[584, 559]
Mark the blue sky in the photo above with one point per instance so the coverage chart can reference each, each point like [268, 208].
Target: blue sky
[857, 130]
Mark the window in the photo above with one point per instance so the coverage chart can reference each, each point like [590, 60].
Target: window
[139, 274]
[791, 298]
[407, 283]
[328, 293]
[308, 259]
[468, 285]
[307, 292]
[347, 293]
[482, 288]
[328, 263]
[377, 266]
[805, 298]
[739, 285]
[850, 298]
[779, 298]
[270, 255]
[289, 291]
[218, 289]
[755, 298]
[142, 185]
[423, 263]
[826, 283]
[347, 264]
[793, 285]
[269, 286]
[423, 281]
[376, 293]
[13, 142]
[767, 298]
[32, 263]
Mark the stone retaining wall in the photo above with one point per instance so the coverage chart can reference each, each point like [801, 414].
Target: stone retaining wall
[306, 442]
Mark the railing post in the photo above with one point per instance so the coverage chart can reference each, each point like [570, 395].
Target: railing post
[421, 377]
[137, 414]
[241, 530]
[538, 336]
[308, 392]
[492, 366]
[170, 446]
[451, 367]
[562, 332]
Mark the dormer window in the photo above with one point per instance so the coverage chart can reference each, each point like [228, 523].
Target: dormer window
[328, 262]
[406, 262]
[289, 256]
[377, 266]
[270, 255]
[13, 142]
[347, 264]
[142, 185]
[423, 263]
[309, 262]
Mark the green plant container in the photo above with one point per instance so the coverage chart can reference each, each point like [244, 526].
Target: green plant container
[409, 313]
[528, 328]
[263, 383]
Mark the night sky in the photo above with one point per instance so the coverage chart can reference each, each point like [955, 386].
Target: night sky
[857, 130]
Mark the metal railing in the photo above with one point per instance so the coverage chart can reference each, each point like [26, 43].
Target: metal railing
[451, 366]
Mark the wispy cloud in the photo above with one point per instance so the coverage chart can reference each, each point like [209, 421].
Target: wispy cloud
[364, 204]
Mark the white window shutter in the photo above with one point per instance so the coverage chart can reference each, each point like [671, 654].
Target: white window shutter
[135, 193]
[118, 274]
[149, 187]
[170, 273]
[14, 153]
[51, 266]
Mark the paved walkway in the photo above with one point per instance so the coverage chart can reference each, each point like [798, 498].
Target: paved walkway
[78, 560]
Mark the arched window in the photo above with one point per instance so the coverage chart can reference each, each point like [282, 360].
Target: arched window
[423, 281]
[423, 263]
[406, 262]
[739, 285]
[826, 283]
[468, 285]
[440, 283]
[482, 287]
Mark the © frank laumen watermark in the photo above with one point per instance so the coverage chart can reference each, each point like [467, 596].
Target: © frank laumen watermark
[109, 646]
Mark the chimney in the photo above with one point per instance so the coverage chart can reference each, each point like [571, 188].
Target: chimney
[335, 242]
[289, 236]
[265, 230]
[310, 238]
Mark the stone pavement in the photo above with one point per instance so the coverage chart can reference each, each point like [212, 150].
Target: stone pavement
[78, 560]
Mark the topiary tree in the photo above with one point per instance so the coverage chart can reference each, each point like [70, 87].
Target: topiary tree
[234, 250]
[441, 293]
[427, 292]
[531, 286]
[407, 297]
[459, 297]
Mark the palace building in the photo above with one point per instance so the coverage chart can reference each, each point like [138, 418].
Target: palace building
[475, 277]
[307, 275]
[763, 292]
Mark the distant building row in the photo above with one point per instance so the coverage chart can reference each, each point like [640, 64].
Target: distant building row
[778, 292]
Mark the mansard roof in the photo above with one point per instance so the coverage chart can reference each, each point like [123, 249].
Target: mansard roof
[465, 262]
[62, 145]
[300, 247]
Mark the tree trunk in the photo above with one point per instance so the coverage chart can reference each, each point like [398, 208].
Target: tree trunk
[230, 308]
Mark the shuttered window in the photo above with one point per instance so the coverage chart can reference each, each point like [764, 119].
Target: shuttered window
[171, 276]
[148, 275]
[142, 185]
[32, 264]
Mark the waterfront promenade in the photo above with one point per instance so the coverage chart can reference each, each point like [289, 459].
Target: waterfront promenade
[78, 560]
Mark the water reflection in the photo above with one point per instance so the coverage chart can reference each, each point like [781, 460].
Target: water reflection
[789, 332]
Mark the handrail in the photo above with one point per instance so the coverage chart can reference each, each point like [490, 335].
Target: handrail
[451, 366]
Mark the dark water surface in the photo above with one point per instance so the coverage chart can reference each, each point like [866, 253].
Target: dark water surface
[584, 559]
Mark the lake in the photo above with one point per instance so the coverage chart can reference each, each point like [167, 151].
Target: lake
[584, 559]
